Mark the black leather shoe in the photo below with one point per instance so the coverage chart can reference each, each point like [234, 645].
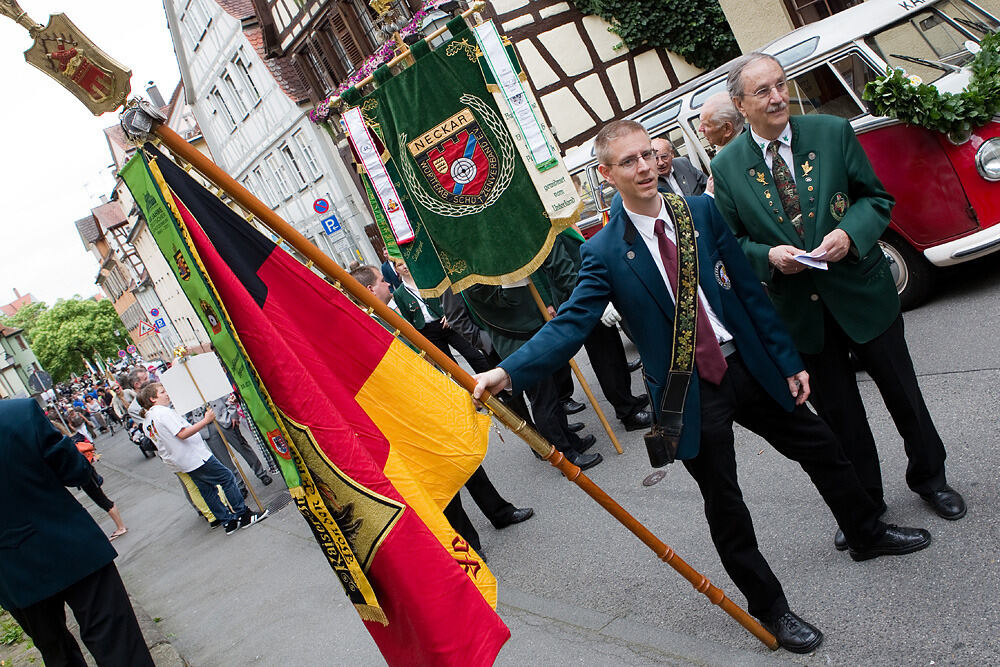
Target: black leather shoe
[895, 542]
[517, 516]
[571, 407]
[633, 366]
[575, 427]
[585, 461]
[586, 442]
[840, 540]
[638, 420]
[794, 634]
[946, 502]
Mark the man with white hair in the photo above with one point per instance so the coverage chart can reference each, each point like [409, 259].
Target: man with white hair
[719, 121]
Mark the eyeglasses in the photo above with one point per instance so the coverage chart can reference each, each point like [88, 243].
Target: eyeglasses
[764, 92]
[630, 162]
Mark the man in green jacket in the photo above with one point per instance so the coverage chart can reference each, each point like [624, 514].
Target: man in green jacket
[802, 185]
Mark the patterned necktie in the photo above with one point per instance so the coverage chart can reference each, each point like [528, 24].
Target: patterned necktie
[707, 353]
[787, 191]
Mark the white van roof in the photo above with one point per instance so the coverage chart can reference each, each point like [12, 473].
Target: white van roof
[815, 38]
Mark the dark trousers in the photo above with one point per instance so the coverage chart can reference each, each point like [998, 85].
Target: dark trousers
[549, 417]
[494, 506]
[107, 623]
[607, 358]
[221, 452]
[445, 337]
[240, 444]
[799, 435]
[211, 475]
[836, 397]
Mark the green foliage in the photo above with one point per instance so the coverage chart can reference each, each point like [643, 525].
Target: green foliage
[10, 631]
[954, 114]
[696, 30]
[26, 318]
[73, 329]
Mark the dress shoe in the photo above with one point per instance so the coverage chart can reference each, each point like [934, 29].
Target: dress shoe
[585, 461]
[840, 540]
[633, 366]
[638, 420]
[946, 502]
[895, 542]
[575, 427]
[571, 407]
[517, 516]
[794, 634]
[585, 443]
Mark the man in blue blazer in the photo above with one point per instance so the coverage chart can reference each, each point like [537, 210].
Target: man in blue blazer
[52, 553]
[761, 385]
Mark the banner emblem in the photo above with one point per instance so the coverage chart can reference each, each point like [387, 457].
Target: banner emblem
[457, 160]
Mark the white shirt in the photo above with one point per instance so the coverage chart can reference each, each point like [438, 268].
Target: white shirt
[423, 306]
[672, 183]
[644, 224]
[784, 149]
[162, 426]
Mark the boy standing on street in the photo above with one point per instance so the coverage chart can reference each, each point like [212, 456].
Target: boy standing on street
[183, 450]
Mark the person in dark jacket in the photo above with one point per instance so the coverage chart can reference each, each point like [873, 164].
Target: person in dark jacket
[52, 553]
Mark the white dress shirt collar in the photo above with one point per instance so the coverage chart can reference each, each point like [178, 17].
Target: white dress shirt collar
[785, 139]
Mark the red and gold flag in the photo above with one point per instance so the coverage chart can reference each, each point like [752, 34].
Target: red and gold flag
[386, 439]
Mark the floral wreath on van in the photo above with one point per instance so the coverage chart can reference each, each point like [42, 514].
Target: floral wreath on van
[896, 95]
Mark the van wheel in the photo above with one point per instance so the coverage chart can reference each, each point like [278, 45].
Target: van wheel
[911, 272]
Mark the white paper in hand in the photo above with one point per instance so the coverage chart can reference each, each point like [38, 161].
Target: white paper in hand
[813, 260]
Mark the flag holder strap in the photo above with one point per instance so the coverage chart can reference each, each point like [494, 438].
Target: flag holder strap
[185, 151]
[577, 372]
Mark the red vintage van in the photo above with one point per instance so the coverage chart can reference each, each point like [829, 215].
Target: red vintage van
[947, 192]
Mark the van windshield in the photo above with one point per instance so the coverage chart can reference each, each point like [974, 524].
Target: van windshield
[936, 34]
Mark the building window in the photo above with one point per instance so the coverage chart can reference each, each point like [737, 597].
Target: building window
[280, 175]
[365, 21]
[810, 11]
[242, 67]
[195, 20]
[340, 40]
[294, 163]
[222, 109]
[307, 151]
[320, 68]
[264, 187]
[234, 93]
[20, 341]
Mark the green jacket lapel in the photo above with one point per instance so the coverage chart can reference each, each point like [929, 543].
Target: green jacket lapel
[807, 175]
[760, 181]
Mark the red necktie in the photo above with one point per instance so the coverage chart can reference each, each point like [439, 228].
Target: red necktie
[707, 354]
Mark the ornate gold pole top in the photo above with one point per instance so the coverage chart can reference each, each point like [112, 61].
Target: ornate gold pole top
[66, 55]
[11, 9]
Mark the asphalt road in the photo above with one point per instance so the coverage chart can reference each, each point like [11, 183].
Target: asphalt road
[934, 607]
[576, 588]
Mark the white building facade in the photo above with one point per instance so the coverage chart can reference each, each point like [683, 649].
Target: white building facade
[253, 114]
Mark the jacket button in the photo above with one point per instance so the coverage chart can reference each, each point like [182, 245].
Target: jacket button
[811, 214]
[814, 297]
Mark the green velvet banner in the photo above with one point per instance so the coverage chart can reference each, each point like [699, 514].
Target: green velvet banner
[476, 215]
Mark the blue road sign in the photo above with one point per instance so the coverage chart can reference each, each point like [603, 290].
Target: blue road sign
[160, 324]
[331, 224]
[321, 206]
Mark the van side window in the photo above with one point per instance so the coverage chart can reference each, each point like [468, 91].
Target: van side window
[821, 91]
[855, 72]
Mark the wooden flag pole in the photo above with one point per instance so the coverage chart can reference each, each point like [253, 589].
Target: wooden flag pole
[185, 151]
[577, 372]
[225, 443]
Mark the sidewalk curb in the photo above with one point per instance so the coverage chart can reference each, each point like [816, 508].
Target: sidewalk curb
[164, 653]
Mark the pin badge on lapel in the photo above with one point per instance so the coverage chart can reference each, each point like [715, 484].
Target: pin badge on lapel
[760, 178]
[806, 167]
[630, 254]
[721, 276]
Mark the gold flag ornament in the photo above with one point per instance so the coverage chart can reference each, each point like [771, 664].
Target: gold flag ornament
[68, 56]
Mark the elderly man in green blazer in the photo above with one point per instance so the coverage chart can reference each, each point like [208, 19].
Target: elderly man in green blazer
[802, 185]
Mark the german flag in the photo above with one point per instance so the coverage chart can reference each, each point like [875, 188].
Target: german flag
[386, 439]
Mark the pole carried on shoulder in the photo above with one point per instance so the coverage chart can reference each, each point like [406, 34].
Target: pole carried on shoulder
[182, 149]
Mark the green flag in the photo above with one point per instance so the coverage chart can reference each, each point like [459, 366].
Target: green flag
[464, 202]
[147, 194]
